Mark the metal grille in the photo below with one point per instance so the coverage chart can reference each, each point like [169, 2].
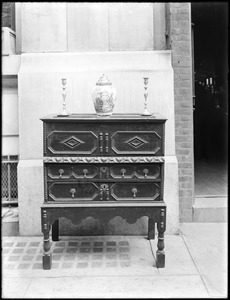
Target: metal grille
[9, 178]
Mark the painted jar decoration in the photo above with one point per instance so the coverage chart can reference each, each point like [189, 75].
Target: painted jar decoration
[104, 97]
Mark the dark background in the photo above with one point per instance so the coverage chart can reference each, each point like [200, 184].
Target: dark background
[210, 60]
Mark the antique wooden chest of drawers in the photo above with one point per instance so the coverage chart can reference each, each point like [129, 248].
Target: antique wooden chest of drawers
[104, 167]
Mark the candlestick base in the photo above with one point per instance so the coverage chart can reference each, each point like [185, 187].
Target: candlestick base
[146, 113]
[63, 114]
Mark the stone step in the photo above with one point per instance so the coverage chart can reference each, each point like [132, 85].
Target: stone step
[210, 209]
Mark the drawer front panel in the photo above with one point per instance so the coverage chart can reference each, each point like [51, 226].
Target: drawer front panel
[73, 142]
[89, 191]
[136, 171]
[73, 191]
[72, 171]
[72, 138]
[136, 191]
[136, 138]
[136, 142]
[125, 171]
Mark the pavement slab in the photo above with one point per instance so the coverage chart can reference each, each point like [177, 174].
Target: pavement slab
[117, 287]
[207, 245]
[178, 261]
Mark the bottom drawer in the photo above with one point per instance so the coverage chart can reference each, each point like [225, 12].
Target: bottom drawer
[90, 191]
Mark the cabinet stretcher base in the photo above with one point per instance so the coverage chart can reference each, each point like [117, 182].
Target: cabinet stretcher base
[76, 213]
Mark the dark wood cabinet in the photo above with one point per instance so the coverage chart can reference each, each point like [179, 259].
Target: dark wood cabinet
[95, 165]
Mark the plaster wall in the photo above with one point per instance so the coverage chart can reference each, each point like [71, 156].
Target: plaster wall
[69, 27]
[10, 130]
[39, 88]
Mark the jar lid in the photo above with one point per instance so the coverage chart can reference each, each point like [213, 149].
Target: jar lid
[103, 80]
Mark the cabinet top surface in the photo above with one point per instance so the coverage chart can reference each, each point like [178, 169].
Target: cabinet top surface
[155, 117]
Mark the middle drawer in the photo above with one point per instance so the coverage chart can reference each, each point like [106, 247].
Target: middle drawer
[79, 172]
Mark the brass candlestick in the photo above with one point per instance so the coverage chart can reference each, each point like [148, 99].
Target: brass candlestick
[64, 112]
[146, 112]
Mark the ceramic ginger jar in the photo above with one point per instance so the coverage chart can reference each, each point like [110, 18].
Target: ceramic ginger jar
[104, 97]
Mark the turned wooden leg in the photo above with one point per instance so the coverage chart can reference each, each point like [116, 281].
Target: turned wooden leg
[47, 256]
[55, 231]
[151, 229]
[160, 255]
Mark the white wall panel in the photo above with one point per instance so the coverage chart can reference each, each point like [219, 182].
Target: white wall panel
[87, 26]
[43, 27]
[10, 145]
[9, 114]
[131, 26]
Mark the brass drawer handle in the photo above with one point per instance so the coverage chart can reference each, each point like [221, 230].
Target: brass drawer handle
[146, 171]
[85, 172]
[61, 171]
[134, 190]
[101, 142]
[106, 142]
[73, 191]
[123, 171]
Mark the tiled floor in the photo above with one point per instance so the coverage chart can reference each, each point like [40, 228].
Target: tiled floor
[118, 266]
[67, 254]
[77, 255]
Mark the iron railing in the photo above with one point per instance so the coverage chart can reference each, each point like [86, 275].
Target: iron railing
[9, 179]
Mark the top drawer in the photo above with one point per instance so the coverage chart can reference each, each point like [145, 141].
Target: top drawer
[103, 139]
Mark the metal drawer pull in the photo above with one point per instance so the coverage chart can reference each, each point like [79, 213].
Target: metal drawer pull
[85, 171]
[106, 142]
[134, 190]
[73, 191]
[61, 171]
[101, 194]
[123, 171]
[107, 194]
[146, 171]
[101, 142]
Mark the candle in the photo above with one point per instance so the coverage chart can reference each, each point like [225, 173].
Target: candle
[211, 81]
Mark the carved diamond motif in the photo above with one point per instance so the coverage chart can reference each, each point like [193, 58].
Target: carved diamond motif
[72, 142]
[136, 142]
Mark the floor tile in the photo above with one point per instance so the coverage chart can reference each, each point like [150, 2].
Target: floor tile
[82, 264]
[17, 251]
[96, 264]
[13, 258]
[34, 244]
[8, 244]
[23, 266]
[74, 244]
[98, 244]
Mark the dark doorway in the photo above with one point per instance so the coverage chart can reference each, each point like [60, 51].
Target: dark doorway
[211, 97]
